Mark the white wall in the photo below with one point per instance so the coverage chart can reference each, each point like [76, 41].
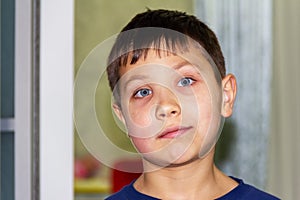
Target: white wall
[285, 135]
[244, 29]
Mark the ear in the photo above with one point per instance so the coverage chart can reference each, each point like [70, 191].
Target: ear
[118, 112]
[229, 94]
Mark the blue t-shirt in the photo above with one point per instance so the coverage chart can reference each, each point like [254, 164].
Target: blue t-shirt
[241, 192]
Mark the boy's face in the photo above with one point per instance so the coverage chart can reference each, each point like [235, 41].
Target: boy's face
[171, 108]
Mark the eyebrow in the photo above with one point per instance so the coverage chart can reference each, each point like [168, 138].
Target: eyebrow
[133, 78]
[184, 64]
[181, 64]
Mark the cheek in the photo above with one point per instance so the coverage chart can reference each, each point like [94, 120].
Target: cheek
[139, 115]
[201, 110]
[141, 145]
[140, 122]
[198, 106]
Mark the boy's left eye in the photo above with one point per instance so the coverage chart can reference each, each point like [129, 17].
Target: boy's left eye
[185, 82]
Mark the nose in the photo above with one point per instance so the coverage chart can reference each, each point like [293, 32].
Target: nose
[167, 105]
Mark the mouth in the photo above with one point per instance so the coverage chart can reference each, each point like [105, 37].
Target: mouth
[174, 132]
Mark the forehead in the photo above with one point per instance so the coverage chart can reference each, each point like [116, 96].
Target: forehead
[165, 59]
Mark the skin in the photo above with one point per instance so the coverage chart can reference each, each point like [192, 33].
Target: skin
[167, 107]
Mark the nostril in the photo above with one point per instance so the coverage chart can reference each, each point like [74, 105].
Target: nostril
[174, 112]
[164, 111]
[163, 115]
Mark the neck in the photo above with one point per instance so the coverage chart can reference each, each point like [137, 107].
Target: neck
[189, 181]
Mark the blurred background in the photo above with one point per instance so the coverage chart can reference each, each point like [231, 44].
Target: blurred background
[43, 46]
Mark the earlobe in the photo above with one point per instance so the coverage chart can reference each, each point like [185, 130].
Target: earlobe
[118, 112]
[229, 94]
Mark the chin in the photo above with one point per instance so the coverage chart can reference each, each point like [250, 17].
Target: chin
[184, 160]
[158, 161]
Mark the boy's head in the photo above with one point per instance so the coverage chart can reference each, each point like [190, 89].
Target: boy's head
[137, 37]
[167, 72]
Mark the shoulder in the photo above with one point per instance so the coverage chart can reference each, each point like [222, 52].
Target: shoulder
[128, 193]
[123, 194]
[244, 191]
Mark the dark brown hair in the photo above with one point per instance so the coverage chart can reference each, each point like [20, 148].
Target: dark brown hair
[140, 32]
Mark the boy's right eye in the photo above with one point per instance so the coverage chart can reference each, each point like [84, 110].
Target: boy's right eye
[142, 93]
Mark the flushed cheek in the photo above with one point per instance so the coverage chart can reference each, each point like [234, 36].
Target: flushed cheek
[139, 116]
[139, 119]
[141, 125]
[204, 106]
[141, 122]
[205, 120]
[141, 145]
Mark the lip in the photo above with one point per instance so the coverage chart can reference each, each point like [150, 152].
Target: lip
[173, 132]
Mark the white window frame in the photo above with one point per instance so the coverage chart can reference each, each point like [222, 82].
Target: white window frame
[56, 100]
[22, 120]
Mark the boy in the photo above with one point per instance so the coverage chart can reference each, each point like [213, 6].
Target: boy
[168, 77]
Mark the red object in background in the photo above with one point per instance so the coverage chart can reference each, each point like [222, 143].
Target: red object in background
[122, 178]
[86, 166]
[80, 170]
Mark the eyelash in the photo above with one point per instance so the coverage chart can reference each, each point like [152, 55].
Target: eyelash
[139, 93]
[190, 81]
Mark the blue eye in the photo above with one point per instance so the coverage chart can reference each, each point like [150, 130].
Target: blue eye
[142, 93]
[185, 82]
